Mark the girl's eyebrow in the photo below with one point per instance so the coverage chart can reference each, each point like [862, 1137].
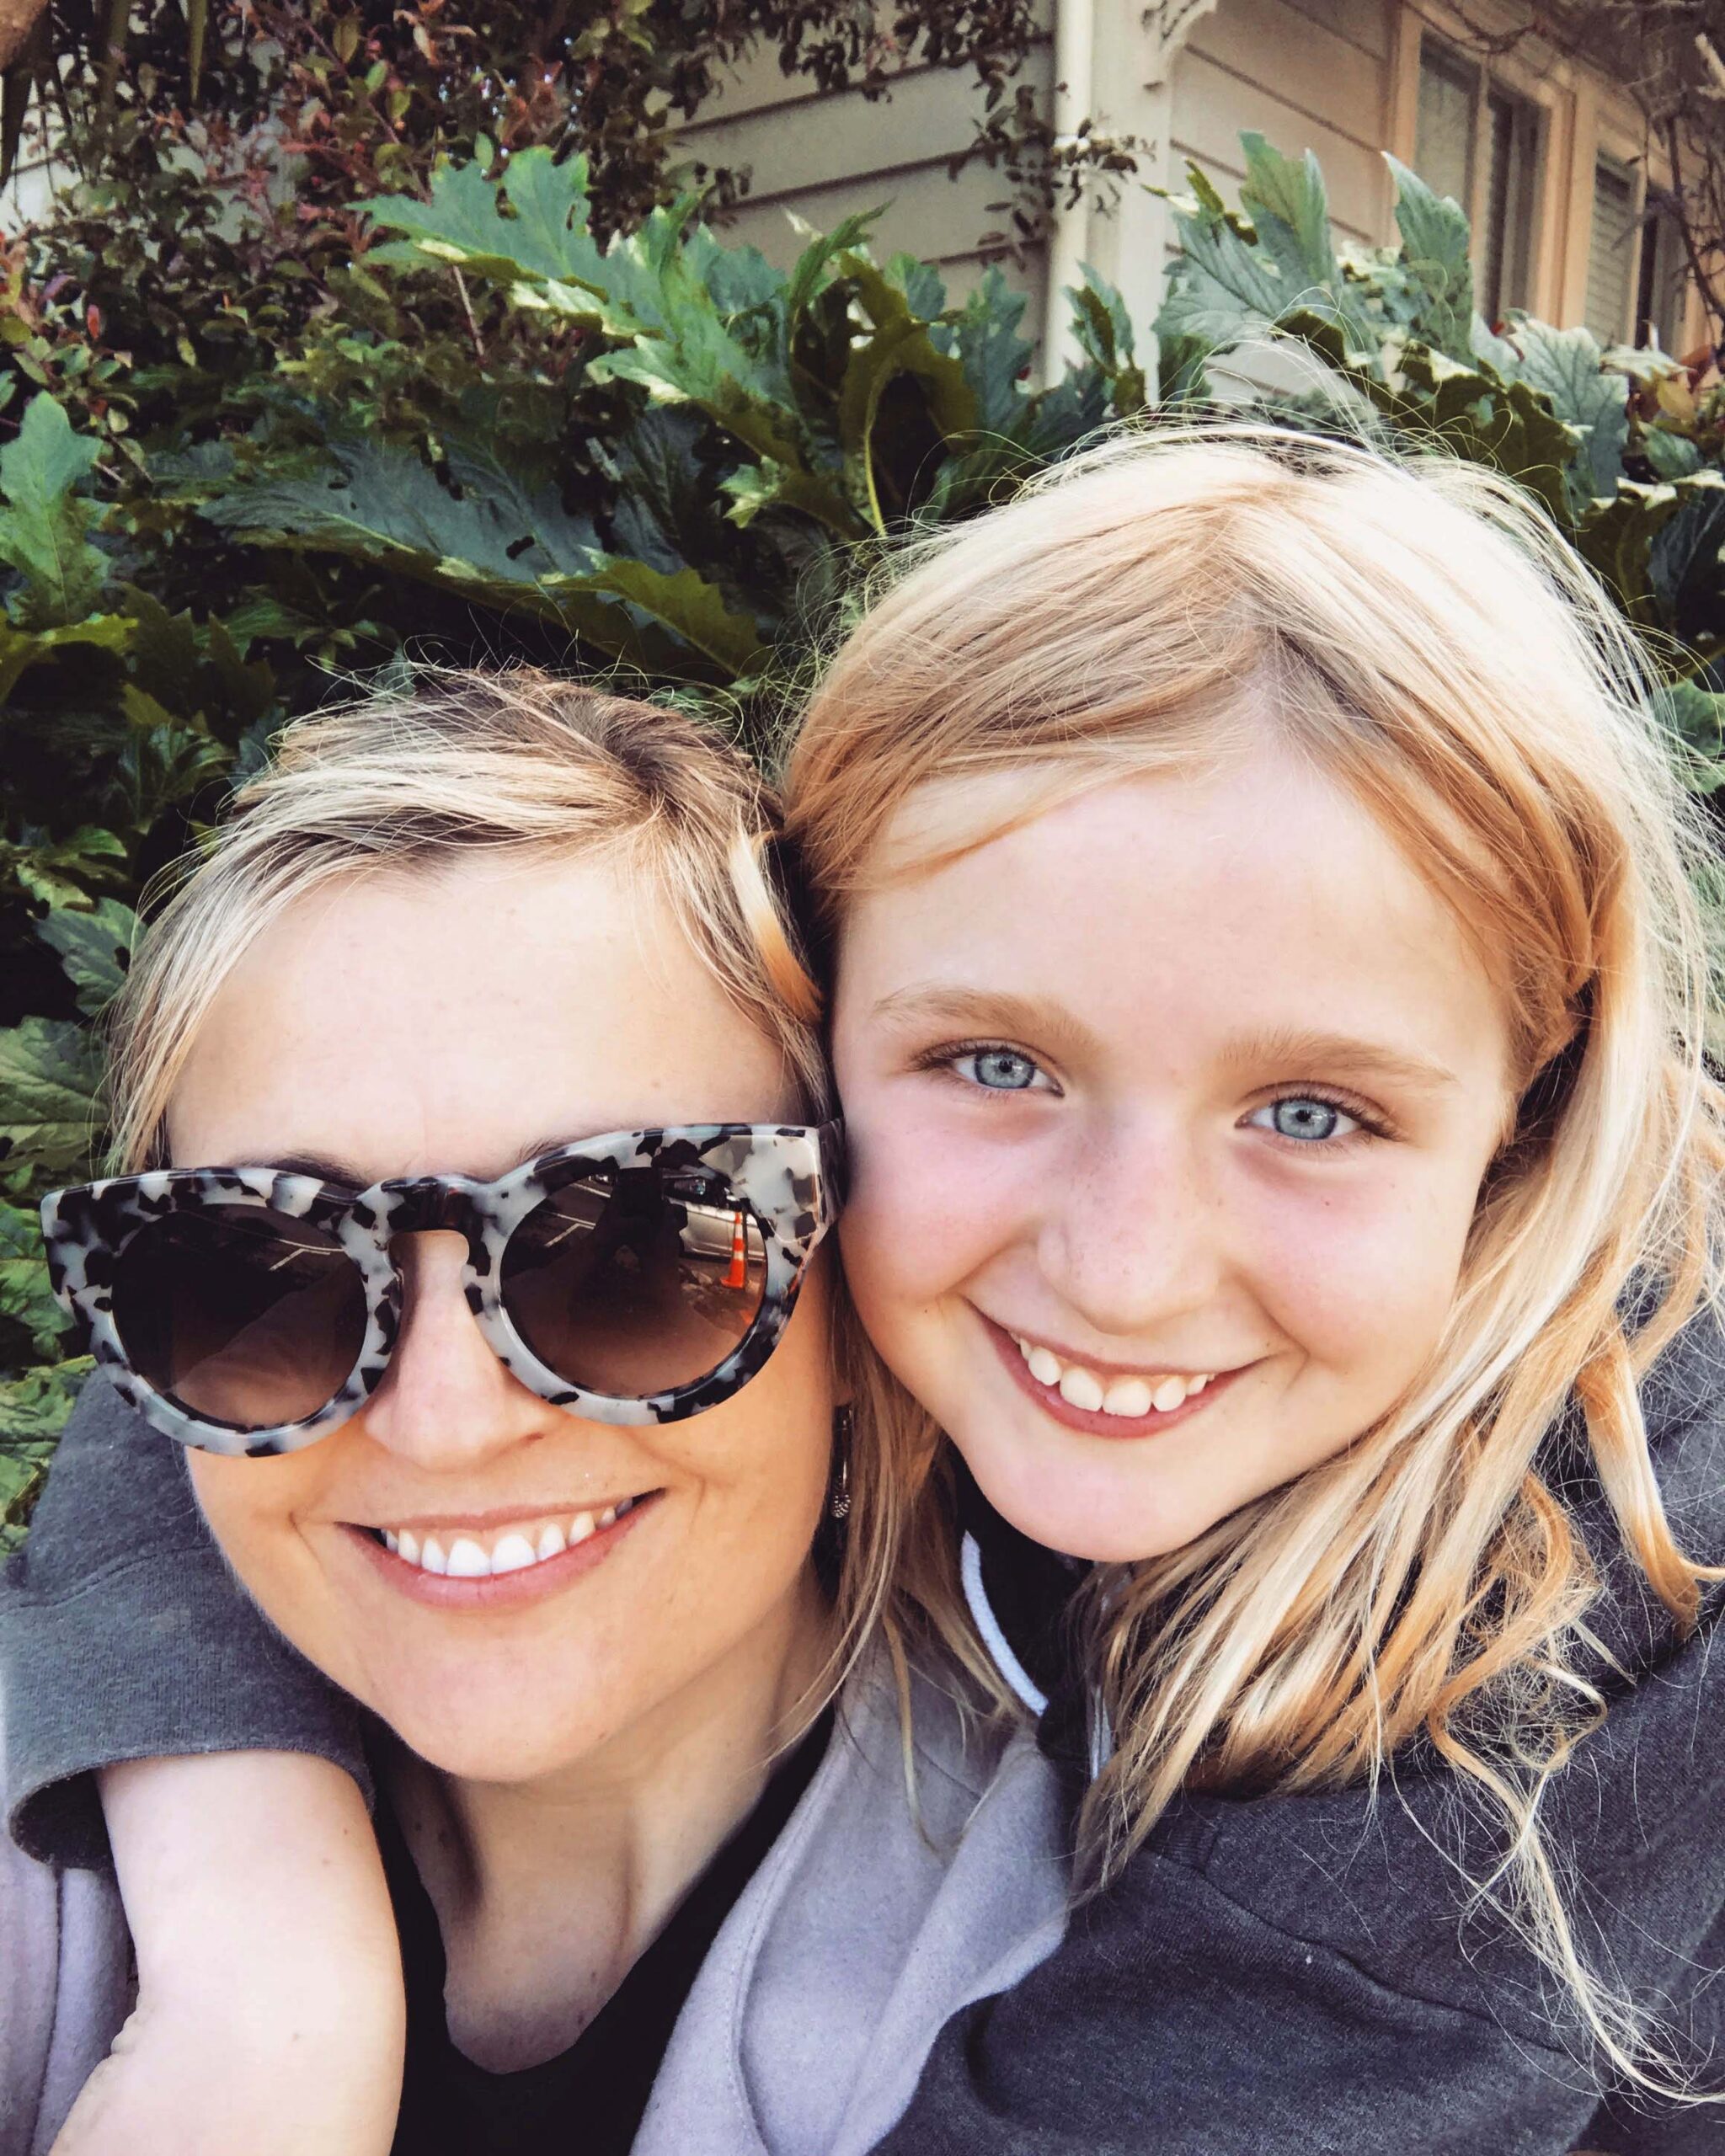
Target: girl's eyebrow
[1285, 1048]
[1289, 1049]
[986, 1010]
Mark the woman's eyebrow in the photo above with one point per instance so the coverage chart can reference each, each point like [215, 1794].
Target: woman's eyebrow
[1291, 1050]
[323, 1169]
[986, 1011]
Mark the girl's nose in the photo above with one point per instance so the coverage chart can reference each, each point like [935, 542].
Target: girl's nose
[446, 1401]
[1133, 1237]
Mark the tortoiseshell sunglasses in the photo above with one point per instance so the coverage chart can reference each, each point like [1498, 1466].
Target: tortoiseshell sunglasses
[640, 1277]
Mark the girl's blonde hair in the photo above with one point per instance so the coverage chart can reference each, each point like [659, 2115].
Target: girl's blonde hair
[1419, 634]
[522, 764]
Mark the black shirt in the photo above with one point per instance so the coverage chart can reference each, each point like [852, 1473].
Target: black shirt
[451, 2107]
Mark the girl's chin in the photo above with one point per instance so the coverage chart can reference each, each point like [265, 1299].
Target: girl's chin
[1116, 1514]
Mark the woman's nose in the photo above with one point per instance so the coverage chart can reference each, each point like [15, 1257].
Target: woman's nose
[446, 1401]
[1134, 1238]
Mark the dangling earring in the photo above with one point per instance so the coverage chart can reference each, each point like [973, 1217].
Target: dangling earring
[838, 1502]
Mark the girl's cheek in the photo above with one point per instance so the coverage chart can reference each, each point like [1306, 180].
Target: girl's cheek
[925, 1207]
[1362, 1277]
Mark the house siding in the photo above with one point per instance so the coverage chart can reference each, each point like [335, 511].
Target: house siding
[822, 157]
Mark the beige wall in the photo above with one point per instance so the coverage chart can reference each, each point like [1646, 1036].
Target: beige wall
[825, 157]
[1309, 74]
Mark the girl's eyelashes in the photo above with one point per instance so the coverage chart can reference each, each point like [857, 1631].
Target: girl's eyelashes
[1315, 1120]
[989, 1067]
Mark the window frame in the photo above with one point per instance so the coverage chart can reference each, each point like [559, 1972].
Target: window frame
[1521, 245]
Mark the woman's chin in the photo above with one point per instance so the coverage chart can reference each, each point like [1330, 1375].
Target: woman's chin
[504, 1741]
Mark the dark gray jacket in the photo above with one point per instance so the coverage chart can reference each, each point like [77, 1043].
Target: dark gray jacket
[1311, 1973]
[1273, 1973]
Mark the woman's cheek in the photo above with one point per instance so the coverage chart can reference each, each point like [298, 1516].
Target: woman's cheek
[253, 1508]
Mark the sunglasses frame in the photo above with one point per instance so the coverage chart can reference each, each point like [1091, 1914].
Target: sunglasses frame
[787, 1176]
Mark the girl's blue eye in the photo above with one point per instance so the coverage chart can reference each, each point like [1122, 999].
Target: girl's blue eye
[1300, 1116]
[998, 1069]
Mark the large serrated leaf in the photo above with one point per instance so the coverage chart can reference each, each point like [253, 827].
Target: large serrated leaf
[813, 269]
[688, 604]
[503, 547]
[996, 358]
[43, 530]
[49, 1122]
[374, 498]
[1435, 240]
[896, 342]
[1103, 330]
[95, 946]
[25, 1295]
[1696, 717]
[1289, 209]
[34, 1409]
[1564, 366]
[1221, 290]
[20, 649]
[64, 872]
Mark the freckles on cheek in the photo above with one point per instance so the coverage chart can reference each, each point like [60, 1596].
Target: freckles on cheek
[1357, 1276]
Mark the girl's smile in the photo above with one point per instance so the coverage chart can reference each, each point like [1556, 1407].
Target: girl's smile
[1106, 1402]
[1169, 1105]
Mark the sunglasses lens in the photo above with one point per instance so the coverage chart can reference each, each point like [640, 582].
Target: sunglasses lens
[632, 1283]
[240, 1315]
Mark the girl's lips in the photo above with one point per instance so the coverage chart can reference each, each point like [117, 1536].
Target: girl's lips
[497, 1590]
[1091, 1421]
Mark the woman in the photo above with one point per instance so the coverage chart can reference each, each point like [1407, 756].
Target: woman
[504, 1368]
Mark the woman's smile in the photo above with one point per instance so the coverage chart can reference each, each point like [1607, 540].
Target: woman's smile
[447, 1562]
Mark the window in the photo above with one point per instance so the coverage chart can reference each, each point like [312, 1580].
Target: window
[1611, 252]
[1477, 142]
[1662, 288]
[1636, 277]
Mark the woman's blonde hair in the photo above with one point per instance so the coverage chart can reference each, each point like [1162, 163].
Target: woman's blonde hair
[1419, 634]
[522, 764]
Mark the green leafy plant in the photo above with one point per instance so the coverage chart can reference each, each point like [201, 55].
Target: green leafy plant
[517, 424]
[1627, 459]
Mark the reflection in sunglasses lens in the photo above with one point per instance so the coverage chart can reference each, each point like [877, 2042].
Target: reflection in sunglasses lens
[630, 1283]
[242, 1314]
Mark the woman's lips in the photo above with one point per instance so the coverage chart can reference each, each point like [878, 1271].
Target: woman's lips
[1092, 1421]
[497, 1590]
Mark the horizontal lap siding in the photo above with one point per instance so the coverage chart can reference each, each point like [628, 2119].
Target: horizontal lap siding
[1311, 76]
[824, 156]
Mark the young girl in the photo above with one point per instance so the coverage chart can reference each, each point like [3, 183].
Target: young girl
[1268, 1009]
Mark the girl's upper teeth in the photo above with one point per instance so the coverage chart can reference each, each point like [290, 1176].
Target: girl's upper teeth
[1083, 1388]
[510, 1550]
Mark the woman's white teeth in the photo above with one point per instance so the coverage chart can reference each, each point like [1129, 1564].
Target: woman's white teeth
[512, 1552]
[468, 1557]
[1129, 1397]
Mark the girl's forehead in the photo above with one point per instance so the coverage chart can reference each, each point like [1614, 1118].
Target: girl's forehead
[1252, 896]
[450, 1021]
